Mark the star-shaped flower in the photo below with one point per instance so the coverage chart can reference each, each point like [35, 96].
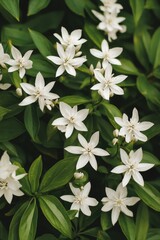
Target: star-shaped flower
[132, 166]
[20, 63]
[87, 151]
[4, 57]
[80, 200]
[131, 130]
[108, 55]
[117, 201]
[38, 92]
[107, 85]
[67, 60]
[70, 39]
[72, 118]
[6, 167]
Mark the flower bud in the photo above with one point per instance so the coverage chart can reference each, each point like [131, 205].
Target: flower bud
[114, 141]
[116, 133]
[78, 175]
[19, 91]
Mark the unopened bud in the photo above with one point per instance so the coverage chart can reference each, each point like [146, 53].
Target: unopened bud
[114, 141]
[78, 175]
[19, 92]
[116, 133]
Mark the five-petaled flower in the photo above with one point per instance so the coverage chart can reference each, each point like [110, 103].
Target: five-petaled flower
[67, 60]
[40, 92]
[87, 151]
[132, 166]
[117, 201]
[108, 55]
[131, 130]
[80, 200]
[20, 63]
[72, 118]
[107, 85]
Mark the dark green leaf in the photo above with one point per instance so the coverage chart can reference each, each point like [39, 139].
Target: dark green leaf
[3, 112]
[47, 237]
[3, 232]
[34, 174]
[28, 222]
[58, 175]
[31, 121]
[75, 100]
[10, 129]
[102, 235]
[12, 6]
[155, 48]
[128, 226]
[79, 7]
[56, 214]
[127, 67]
[92, 31]
[42, 43]
[142, 222]
[150, 158]
[35, 6]
[14, 225]
[105, 221]
[149, 195]
[137, 9]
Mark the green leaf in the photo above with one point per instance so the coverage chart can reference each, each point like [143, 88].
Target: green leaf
[3, 112]
[28, 222]
[3, 232]
[149, 195]
[153, 234]
[34, 174]
[79, 7]
[40, 64]
[14, 225]
[10, 129]
[150, 158]
[31, 121]
[92, 31]
[35, 6]
[56, 214]
[18, 35]
[44, 46]
[105, 221]
[155, 48]
[128, 226]
[142, 222]
[137, 9]
[58, 175]
[126, 67]
[47, 237]
[75, 100]
[11, 6]
[102, 235]
[148, 90]
[155, 129]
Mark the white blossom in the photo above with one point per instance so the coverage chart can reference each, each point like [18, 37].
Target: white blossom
[38, 92]
[18, 62]
[132, 166]
[67, 60]
[70, 39]
[80, 200]
[6, 167]
[72, 118]
[117, 201]
[108, 55]
[107, 85]
[111, 6]
[4, 57]
[131, 129]
[88, 151]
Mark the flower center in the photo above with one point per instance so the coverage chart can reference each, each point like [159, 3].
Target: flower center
[119, 202]
[20, 63]
[72, 119]
[3, 184]
[78, 200]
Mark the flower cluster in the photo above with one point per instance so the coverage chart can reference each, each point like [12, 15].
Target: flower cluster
[69, 52]
[9, 184]
[109, 20]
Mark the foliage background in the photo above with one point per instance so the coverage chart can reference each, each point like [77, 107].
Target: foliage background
[27, 134]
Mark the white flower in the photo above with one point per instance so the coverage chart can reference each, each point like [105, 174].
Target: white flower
[72, 39]
[117, 201]
[108, 55]
[80, 200]
[67, 60]
[4, 57]
[72, 118]
[87, 151]
[4, 86]
[40, 92]
[111, 6]
[6, 167]
[9, 187]
[131, 130]
[107, 84]
[132, 166]
[20, 63]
